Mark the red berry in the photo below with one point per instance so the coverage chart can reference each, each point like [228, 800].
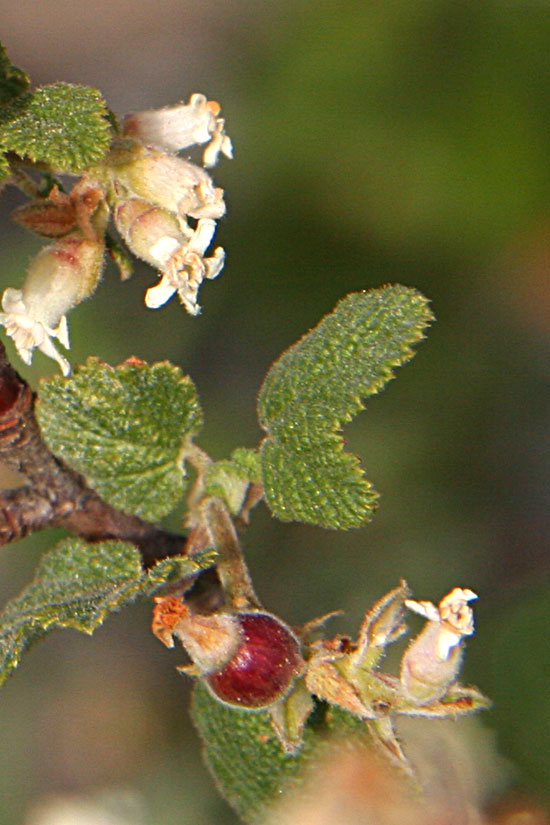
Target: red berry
[264, 666]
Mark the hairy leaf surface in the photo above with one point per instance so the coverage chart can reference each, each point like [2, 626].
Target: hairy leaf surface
[125, 428]
[248, 761]
[63, 125]
[316, 387]
[77, 585]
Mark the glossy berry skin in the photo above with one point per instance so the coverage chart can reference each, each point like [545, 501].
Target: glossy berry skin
[264, 667]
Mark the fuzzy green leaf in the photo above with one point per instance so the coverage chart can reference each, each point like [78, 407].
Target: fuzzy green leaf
[125, 429]
[229, 479]
[13, 81]
[63, 125]
[77, 585]
[316, 387]
[247, 760]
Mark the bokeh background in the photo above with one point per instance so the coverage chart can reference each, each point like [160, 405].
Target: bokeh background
[400, 140]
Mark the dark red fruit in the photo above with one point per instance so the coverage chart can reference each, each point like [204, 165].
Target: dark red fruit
[264, 666]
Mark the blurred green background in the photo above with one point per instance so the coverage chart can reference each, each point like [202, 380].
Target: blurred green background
[375, 142]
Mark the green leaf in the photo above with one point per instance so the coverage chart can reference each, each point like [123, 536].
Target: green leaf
[247, 760]
[13, 81]
[316, 387]
[63, 125]
[77, 585]
[125, 429]
[229, 479]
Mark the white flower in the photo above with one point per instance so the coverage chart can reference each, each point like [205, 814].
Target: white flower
[168, 242]
[58, 278]
[454, 616]
[30, 329]
[432, 661]
[186, 267]
[173, 128]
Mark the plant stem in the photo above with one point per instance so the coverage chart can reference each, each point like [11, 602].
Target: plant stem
[231, 566]
[23, 182]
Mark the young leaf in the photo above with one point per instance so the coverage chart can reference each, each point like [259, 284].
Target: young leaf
[13, 81]
[77, 585]
[318, 385]
[63, 125]
[229, 479]
[125, 429]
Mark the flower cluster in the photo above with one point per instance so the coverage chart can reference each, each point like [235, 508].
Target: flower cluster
[165, 209]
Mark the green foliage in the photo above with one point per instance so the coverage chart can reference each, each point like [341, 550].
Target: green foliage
[247, 759]
[13, 81]
[62, 125]
[229, 479]
[125, 429]
[77, 585]
[318, 385]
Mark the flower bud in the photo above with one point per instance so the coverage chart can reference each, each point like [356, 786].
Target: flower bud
[172, 183]
[173, 128]
[248, 660]
[58, 278]
[432, 661]
[150, 232]
[50, 217]
[58, 214]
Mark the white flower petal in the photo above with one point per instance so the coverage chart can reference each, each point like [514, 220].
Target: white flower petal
[163, 249]
[215, 263]
[61, 332]
[426, 609]
[156, 296]
[202, 236]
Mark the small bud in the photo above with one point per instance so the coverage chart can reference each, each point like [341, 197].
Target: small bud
[432, 660]
[150, 232]
[172, 183]
[58, 278]
[173, 128]
[248, 660]
[60, 213]
[51, 217]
